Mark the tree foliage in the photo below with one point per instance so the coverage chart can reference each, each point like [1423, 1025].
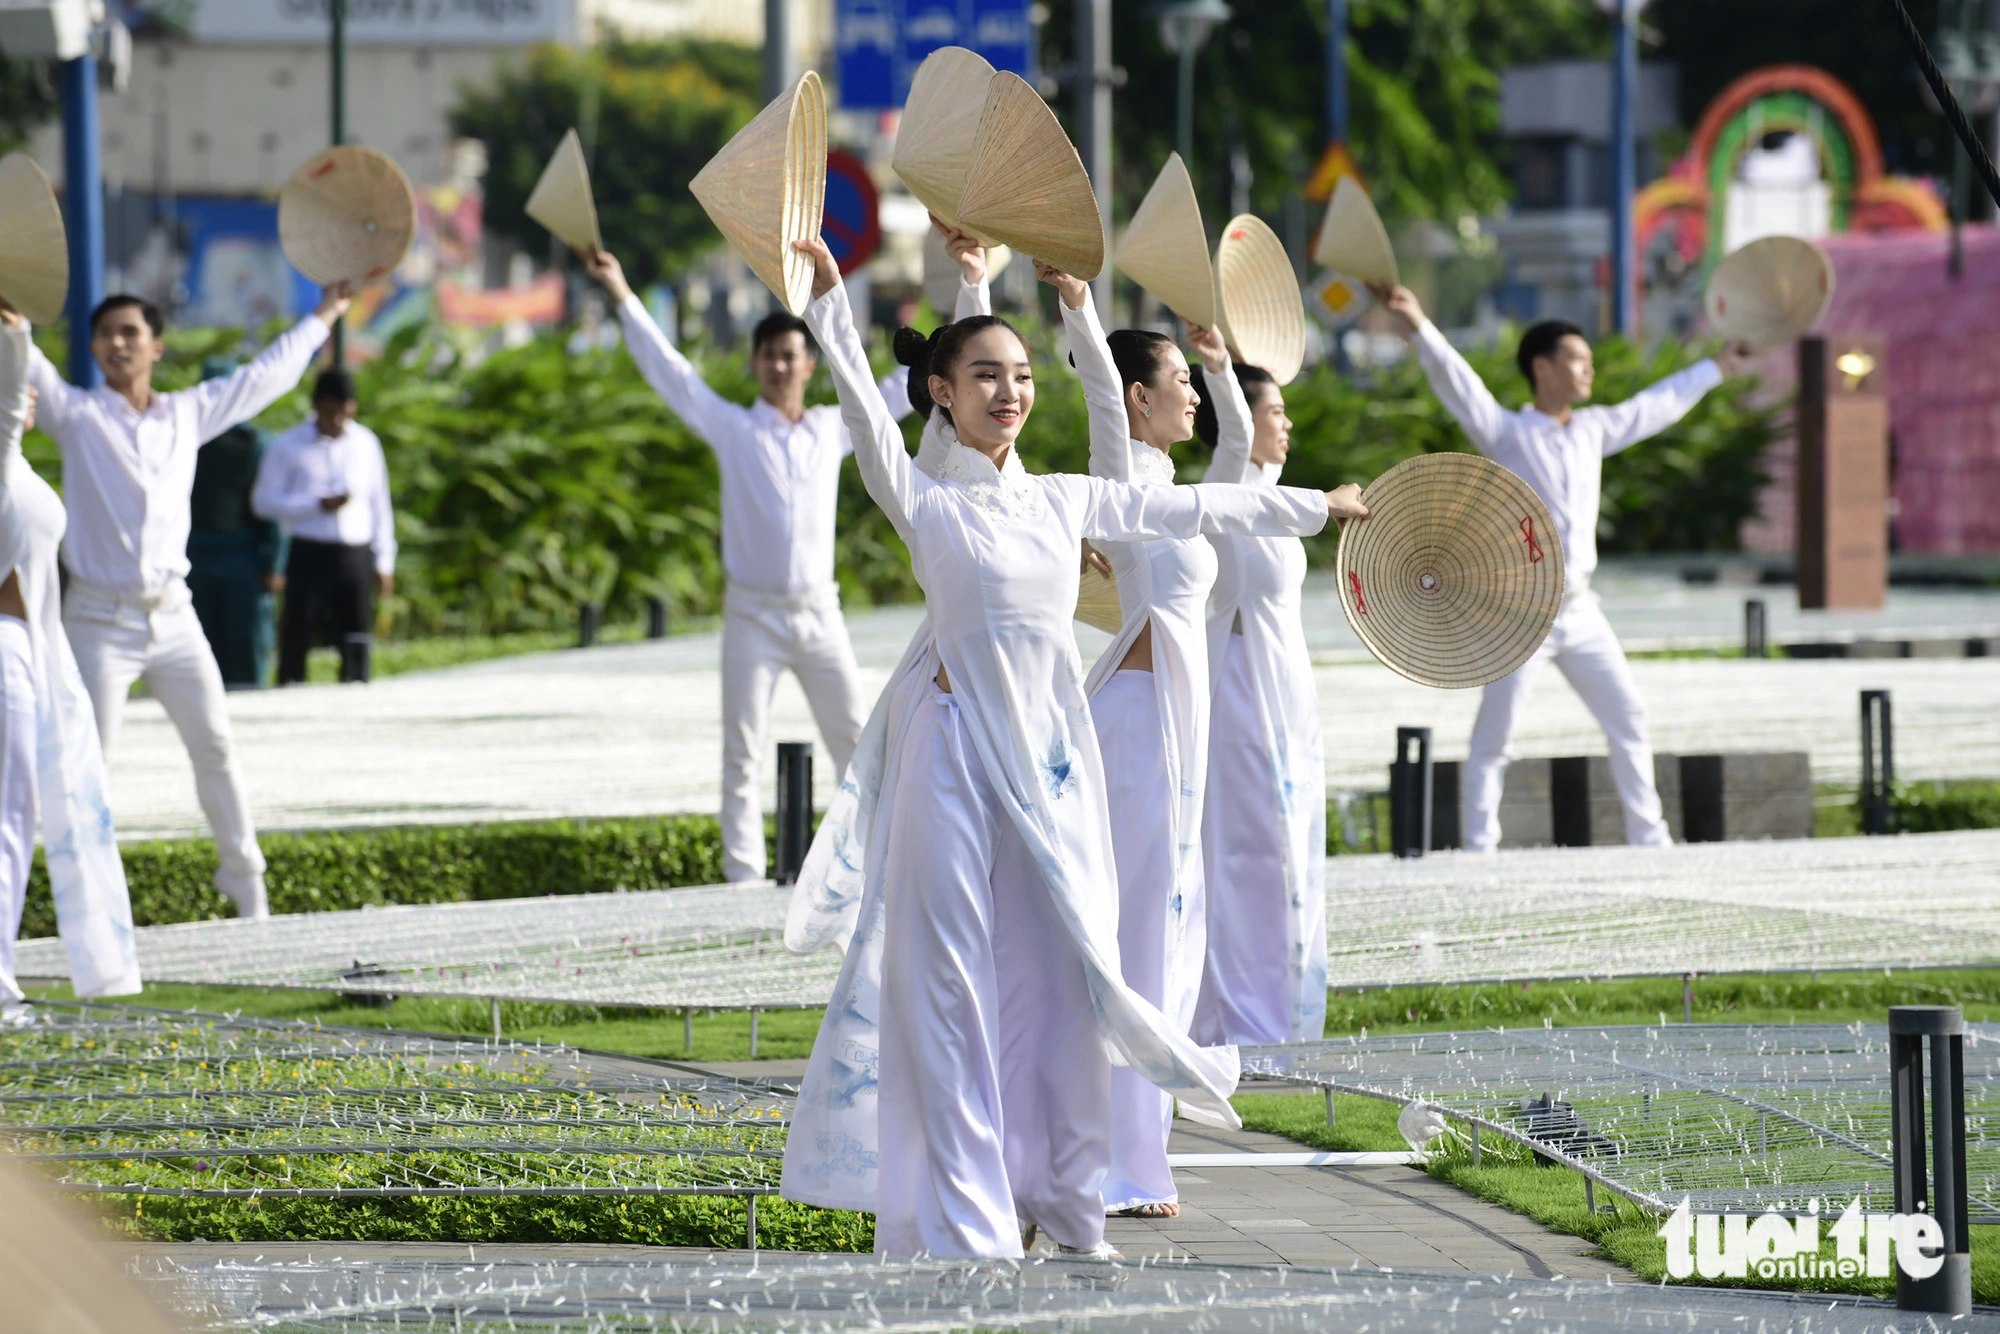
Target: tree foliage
[655, 112]
[27, 100]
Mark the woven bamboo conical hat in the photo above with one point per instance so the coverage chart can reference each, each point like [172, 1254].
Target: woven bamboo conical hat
[767, 189]
[1026, 187]
[1259, 309]
[1352, 239]
[1165, 250]
[1097, 602]
[940, 127]
[34, 254]
[941, 271]
[347, 216]
[1770, 292]
[562, 200]
[55, 1277]
[1457, 575]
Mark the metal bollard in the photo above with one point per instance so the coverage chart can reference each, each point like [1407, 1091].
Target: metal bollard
[1410, 793]
[656, 618]
[1949, 1291]
[587, 618]
[795, 789]
[357, 658]
[1878, 762]
[1755, 644]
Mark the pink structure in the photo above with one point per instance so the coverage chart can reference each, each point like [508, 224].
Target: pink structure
[1944, 386]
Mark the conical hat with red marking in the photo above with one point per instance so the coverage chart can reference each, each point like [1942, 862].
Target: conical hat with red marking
[347, 216]
[1262, 315]
[1769, 292]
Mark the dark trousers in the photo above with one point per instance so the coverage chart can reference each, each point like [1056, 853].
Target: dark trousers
[324, 577]
[227, 581]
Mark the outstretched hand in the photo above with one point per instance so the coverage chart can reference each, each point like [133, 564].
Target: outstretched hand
[1403, 304]
[10, 317]
[333, 302]
[826, 272]
[1075, 291]
[604, 267]
[965, 249]
[1344, 502]
[1736, 357]
[1208, 343]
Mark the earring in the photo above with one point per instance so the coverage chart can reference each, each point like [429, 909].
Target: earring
[1147, 411]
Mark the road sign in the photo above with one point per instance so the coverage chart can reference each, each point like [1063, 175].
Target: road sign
[851, 222]
[881, 43]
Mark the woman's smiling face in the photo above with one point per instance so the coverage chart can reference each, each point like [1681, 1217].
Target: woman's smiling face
[990, 390]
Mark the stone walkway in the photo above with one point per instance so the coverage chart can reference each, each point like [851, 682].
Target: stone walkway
[633, 729]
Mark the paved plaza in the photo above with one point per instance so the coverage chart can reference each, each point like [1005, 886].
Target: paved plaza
[634, 729]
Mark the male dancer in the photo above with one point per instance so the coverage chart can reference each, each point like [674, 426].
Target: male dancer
[780, 464]
[1558, 449]
[128, 471]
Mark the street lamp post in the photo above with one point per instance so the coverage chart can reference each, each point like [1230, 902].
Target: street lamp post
[1624, 164]
[337, 129]
[1184, 29]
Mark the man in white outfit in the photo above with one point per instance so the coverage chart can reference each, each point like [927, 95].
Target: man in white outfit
[1558, 449]
[128, 471]
[780, 464]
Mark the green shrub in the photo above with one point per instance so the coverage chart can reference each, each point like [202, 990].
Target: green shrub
[326, 870]
[1932, 808]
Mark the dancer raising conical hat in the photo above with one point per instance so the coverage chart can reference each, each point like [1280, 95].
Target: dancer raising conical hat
[1559, 449]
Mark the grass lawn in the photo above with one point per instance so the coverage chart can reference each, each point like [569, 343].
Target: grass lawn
[393, 657]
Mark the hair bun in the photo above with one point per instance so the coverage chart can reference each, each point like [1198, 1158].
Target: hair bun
[914, 350]
[911, 347]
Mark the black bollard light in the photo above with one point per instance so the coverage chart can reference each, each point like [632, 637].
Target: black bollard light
[795, 786]
[1410, 793]
[1878, 763]
[587, 618]
[1755, 640]
[357, 658]
[1949, 1290]
[656, 618]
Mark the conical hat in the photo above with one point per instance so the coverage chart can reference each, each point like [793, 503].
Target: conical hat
[34, 255]
[1770, 291]
[346, 216]
[941, 271]
[1352, 240]
[562, 201]
[1165, 250]
[940, 127]
[1097, 602]
[1263, 318]
[1026, 186]
[1456, 578]
[767, 189]
[55, 1277]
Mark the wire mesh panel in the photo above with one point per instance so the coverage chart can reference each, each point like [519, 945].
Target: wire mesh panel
[717, 1294]
[713, 948]
[123, 1101]
[1727, 1116]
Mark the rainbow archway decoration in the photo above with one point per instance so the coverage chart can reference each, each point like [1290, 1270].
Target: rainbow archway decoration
[1686, 205]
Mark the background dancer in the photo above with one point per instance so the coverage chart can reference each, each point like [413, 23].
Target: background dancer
[1558, 449]
[780, 467]
[997, 952]
[1263, 830]
[49, 756]
[1149, 697]
[128, 471]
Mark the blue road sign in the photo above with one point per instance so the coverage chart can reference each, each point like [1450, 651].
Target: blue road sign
[882, 42]
[850, 223]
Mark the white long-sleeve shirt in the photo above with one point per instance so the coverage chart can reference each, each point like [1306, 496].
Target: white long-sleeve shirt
[127, 475]
[303, 467]
[1563, 462]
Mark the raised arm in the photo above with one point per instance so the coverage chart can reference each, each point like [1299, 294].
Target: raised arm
[1233, 427]
[1656, 407]
[17, 351]
[56, 399]
[1464, 395]
[234, 399]
[878, 446]
[1103, 388]
[1115, 511]
[673, 377]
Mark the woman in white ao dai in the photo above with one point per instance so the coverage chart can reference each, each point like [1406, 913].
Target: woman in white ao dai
[959, 1086]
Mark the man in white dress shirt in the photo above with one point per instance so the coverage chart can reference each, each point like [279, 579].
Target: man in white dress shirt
[1559, 449]
[328, 483]
[780, 465]
[128, 470]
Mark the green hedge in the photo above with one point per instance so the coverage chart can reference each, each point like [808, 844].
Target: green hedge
[323, 870]
[1930, 808]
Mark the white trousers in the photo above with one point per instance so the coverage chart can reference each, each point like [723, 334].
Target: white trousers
[1583, 647]
[995, 1086]
[763, 637]
[1127, 713]
[118, 641]
[1246, 987]
[19, 783]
